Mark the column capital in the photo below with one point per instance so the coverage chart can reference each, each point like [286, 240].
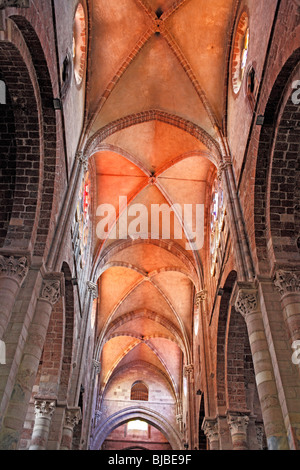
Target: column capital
[44, 408]
[52, 288]
[72, 416]
[83, 160]
[246, 301]
[14, 267]
[200, 297]
[287, 281]
[93, 289]
[14, 4]
[188, 370]
[211, 429]
[96, 366]
[237, 422]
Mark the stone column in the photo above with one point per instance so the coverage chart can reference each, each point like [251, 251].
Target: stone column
[44, 410]
[72, 417]
[189, 374]
[288, 285]
[238, 423]
[12, 424]
[247, 305]
[12, 274]
[211, 431]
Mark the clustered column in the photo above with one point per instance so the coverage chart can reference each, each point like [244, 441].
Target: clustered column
[44, 410]
[247, 304]
[72, 418]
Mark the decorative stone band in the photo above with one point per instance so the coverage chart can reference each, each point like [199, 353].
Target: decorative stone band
[237, 422]
[72, 416]
[287, 281]
[246, 302]
[200, 297]
[44, 408]
[14, 3]
[93, 288]
[13, 267]
[211, 429]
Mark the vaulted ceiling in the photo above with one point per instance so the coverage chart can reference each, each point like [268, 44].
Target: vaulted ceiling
[155, 109]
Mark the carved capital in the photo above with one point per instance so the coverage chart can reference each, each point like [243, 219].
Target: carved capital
[287, 281]
[13, 267]
[200, 297]
[93, 289]
[237, 423]
[246, 302]
[83, 160]
[14, 4]
[188, 371]
[51, 290]
[72, 416]
[44, 408]
[211, 429]
[96, 366]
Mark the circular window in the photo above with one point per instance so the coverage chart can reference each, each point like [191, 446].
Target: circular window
[240, 52]
[79, 44]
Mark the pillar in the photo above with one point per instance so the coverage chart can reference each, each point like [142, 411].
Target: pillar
[12, 274]
[238, 423]
[211, 431]
[44, 410]
[72, 418]
[246, 303]
[288, 285]
[13, 420]
[189, 374]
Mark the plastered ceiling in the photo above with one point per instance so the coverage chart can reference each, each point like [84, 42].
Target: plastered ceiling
[155, 107]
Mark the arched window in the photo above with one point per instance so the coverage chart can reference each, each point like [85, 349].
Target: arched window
[216, 224]
[79, 44]
[240, 52]
[139, 391]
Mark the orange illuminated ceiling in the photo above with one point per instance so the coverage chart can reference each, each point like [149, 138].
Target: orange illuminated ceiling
[155, 107]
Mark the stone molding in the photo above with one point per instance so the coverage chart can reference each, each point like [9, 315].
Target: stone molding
[72, 416]
[237, 422]
[14, 4]
[44, 408]
[287, 281]
[14, 267]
